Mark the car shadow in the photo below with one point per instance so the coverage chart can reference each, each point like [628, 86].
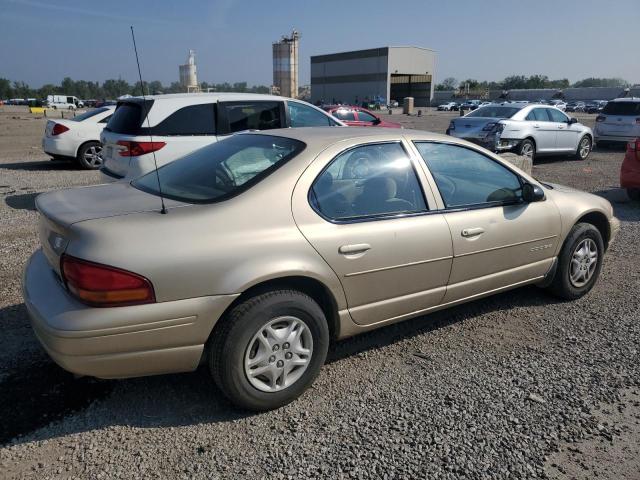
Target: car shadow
[25, 201]
[44, 394]
[42, 165]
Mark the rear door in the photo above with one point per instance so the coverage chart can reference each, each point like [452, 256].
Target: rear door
[544, 130]
[365, 212]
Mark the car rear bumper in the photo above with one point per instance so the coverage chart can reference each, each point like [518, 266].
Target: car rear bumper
[107, 176]
[609, 137]
[58, 146]
[117, 342]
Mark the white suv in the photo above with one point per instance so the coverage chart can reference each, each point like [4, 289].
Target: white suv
[619, 122]
[172, 126]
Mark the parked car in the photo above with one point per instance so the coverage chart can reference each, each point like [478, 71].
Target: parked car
[619, 122]
[528, 129]
[64, 102]
[470, 105]
[559, 104]
[77, 138]
[447, 107]
[595, 107]
[575, 107]
[275, 243]
[393, 104]
[630, 170]
[157, 130]
[358, 116]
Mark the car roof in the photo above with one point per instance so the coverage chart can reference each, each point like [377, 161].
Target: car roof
[209, 96]
[626, 99]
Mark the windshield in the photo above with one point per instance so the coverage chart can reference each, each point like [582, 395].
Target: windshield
[221, 170]
[89, 114]
[494, 111]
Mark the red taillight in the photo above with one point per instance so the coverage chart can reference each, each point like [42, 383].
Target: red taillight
[600, 118]
[58, 128]
[634, 147]
[135, 149]
[105, 286]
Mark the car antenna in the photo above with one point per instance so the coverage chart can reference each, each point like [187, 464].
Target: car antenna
[153, 152]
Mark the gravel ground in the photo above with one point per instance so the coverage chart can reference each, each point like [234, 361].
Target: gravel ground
[519, 385]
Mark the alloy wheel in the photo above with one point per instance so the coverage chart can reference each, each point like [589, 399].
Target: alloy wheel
[527, 150]
[583, 262]
[92, 156]
[278, 354]
[584, 148]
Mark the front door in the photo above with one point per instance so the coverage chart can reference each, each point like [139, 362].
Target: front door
[498, 239]
[367, 216]
[544, 130]
[568, 133]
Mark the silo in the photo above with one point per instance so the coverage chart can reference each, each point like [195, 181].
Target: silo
[285, 65]
[188, 75]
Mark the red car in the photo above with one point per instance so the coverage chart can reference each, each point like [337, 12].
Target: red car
[358, 116]
[630, 170]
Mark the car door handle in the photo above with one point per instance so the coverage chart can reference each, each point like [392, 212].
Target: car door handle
[472, 232]
[355, 248]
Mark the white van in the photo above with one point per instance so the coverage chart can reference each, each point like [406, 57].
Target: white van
[64, 102]
[162, 128]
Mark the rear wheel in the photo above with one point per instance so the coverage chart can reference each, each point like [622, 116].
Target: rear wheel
[89, 156]
[584, 148]
[579, 262]
[269, 349]
[527, 149]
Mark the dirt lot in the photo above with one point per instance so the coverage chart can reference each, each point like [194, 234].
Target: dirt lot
[519, 385]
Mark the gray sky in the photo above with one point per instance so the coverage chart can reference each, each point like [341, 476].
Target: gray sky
[43, 41]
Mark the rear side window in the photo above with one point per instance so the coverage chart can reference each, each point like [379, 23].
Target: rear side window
[301, 115]
[126, 119]
[221, 170]
[368, 181]
[191, 120]
[89, 114]
[242, 116]
[622, 108]
[539, 115]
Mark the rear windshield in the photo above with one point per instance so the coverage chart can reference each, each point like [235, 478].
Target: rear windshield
[89, 114]
[126, 119]
[622, 108]
[221, 170]
[497, 111]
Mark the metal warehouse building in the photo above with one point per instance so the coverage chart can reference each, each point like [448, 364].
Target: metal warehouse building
[387, 73]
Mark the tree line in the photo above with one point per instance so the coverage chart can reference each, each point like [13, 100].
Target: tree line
[524, 82]
[112, 89]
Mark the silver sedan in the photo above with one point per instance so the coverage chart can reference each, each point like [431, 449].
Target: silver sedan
[527, 129]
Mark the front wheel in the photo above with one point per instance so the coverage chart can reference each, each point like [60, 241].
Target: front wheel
[269, 349]
[579, 262]
[584, 148]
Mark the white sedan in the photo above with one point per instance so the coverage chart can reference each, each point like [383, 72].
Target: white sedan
[78, 138]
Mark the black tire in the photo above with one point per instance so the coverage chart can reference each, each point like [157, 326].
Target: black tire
[562, 286]
[633, 193]
[526, 146]
[233, 336]
[579, 155]
[87, 158]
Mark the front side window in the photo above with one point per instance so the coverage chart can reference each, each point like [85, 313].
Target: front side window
[557, 115]
[221, 170]
[366, 117]
[368, 181]
[467, 178]
[253, 115]
[306, 116]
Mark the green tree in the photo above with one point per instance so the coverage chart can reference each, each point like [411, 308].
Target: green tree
[447, 84]
[601, 82]
[6, 91]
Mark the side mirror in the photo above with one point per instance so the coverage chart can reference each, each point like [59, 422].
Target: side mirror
[532, 193]
[377, 121]
[572, 120]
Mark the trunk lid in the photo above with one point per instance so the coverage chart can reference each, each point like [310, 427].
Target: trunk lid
[59, 210]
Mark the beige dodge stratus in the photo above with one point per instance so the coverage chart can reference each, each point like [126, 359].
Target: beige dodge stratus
[275, 243]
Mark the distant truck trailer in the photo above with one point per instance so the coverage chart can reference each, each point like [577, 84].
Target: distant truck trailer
[64, 102]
